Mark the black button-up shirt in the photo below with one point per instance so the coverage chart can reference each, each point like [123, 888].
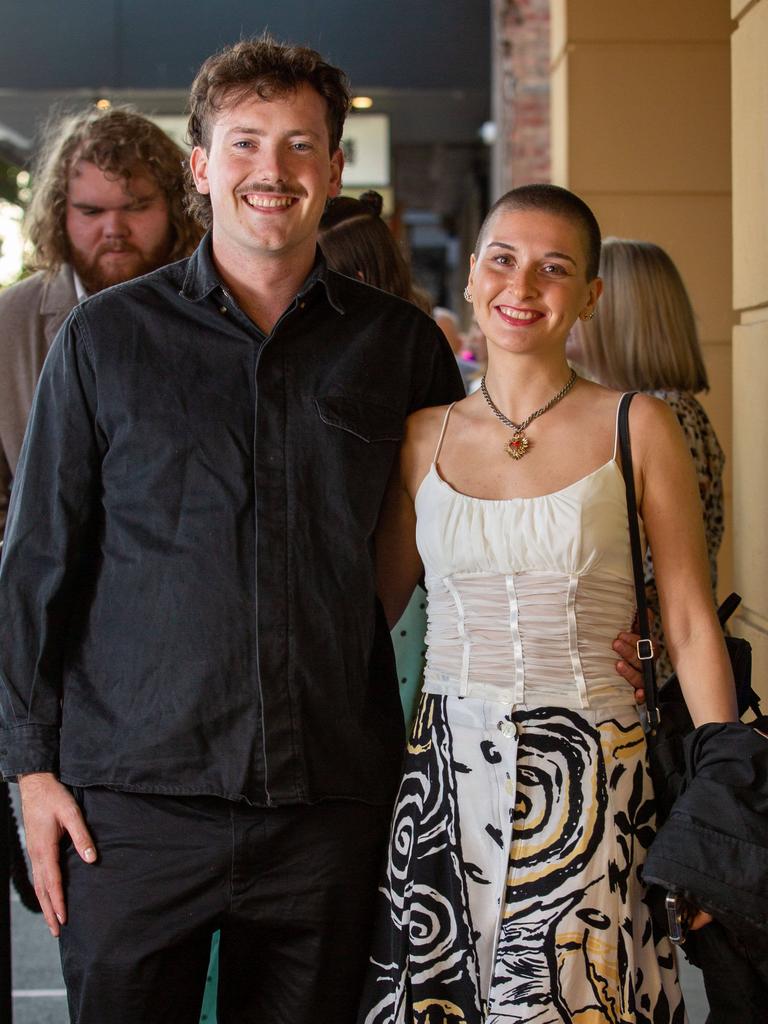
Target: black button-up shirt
[187, 598]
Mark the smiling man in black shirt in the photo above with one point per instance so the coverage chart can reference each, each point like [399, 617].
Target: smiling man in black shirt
[198, 690]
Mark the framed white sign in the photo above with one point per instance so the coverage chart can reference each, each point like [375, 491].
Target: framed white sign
[366, 150]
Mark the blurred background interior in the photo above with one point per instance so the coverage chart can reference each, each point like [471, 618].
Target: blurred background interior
[419, 71]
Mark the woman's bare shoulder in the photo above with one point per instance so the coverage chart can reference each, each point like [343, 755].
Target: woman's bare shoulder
[646, 412]
[660, 446]
[422, 433]
[424, 425]
[652, 417]
[599, 393]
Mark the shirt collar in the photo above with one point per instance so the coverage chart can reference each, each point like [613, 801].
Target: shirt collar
[202, 278]
[321, 277]
[80, 291]
[59, 292]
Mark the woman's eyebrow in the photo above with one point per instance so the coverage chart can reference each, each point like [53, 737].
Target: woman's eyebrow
[547, 255]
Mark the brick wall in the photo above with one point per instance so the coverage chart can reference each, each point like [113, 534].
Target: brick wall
[521, 52]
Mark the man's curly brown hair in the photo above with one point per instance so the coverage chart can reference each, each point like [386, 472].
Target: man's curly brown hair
[119, 141]
[265, 68]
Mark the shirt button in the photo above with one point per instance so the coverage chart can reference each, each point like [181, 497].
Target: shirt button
[222, 309]
[508, 729]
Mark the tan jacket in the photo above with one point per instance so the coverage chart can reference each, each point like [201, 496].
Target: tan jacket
[31, 313]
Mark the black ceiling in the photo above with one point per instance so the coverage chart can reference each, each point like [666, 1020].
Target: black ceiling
[426, 62]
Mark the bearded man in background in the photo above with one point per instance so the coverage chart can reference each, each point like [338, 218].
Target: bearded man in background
[107, 206]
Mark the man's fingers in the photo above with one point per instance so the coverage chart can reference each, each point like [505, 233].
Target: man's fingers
[74, 823]
[56, 893]
[50, 812]
[48, 889]
[628, 666]
[48, 912]
[634, 678]
[47, 872]
[629, 671]
[626, 648]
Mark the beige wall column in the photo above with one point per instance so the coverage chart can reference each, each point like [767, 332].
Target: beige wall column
[750, 336]
[641, 129]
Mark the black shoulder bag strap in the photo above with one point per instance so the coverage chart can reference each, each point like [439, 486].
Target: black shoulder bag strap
[645, 644]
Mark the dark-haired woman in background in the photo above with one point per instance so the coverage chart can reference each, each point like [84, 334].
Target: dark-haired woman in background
[356, 242]
[645, 339]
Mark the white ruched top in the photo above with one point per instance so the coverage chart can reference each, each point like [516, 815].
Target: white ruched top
[526, 595]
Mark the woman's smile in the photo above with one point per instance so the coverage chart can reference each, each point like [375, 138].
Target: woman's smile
[519, 317]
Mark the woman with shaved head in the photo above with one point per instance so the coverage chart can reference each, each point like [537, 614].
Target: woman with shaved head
[513, 887]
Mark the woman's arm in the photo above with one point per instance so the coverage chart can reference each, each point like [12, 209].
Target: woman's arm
[671, 511]
[398, 564]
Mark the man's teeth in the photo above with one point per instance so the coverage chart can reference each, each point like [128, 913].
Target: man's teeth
[269, 203]
[519, 314]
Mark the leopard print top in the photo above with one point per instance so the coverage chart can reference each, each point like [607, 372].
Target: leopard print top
[708, 458]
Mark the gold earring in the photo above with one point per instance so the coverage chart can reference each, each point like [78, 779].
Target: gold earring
[587, 316]
[467, 294]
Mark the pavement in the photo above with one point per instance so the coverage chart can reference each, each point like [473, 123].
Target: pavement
[38, 988]
[693, 990]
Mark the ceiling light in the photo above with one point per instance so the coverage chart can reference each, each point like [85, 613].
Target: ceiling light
[489, 132]
[362, 102]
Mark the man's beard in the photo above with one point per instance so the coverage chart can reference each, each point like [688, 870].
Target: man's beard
[97, 273]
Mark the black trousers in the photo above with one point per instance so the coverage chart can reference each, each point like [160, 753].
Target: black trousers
[735, 973]
[291, 888]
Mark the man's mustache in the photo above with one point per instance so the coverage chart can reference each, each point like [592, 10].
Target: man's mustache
[265, 188]
[108, 247]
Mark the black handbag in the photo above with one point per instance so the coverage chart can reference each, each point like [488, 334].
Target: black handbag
[667, 719]
[667, 763]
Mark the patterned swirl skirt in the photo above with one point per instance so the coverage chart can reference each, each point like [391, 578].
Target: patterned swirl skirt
[512, 890]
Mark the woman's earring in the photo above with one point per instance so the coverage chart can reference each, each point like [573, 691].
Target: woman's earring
[587, 316]
[467, 294]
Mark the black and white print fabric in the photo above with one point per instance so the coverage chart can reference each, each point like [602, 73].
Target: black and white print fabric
[512, 891]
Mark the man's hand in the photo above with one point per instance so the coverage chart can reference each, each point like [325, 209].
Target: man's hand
[629, 668]
[50, 812]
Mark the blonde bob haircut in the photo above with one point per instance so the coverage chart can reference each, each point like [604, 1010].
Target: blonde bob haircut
[644, 334]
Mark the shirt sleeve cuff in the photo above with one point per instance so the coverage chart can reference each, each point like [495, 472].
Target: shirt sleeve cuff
[29, 748]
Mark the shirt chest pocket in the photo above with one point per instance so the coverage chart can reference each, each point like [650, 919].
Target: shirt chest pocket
[364, 420]
[359, 444]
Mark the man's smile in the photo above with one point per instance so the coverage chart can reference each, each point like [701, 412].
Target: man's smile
[269, 202]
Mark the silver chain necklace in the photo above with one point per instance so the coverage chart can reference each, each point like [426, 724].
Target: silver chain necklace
[519, 444]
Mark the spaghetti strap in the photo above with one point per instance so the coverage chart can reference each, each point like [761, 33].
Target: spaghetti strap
[442, 434]
[616, 430]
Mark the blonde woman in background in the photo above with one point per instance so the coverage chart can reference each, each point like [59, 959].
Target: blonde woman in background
[644, 339]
